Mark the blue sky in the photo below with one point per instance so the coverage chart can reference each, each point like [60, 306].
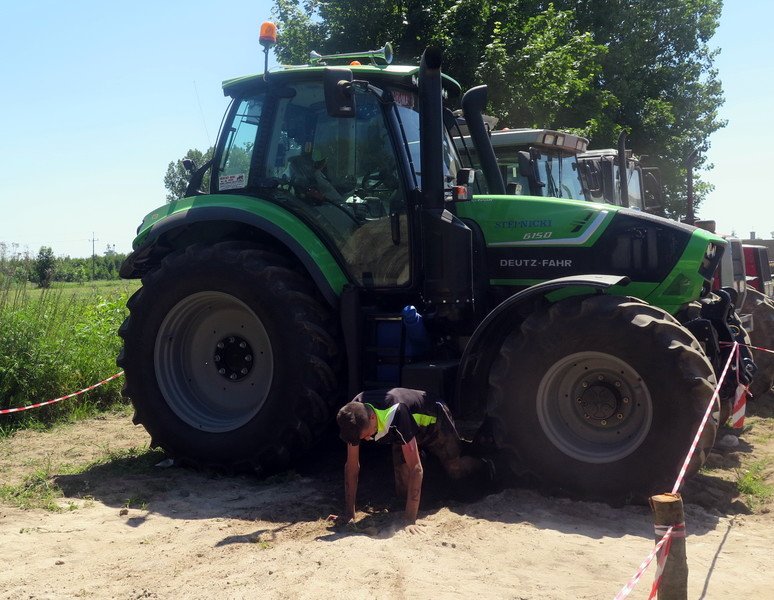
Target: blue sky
[98, 97]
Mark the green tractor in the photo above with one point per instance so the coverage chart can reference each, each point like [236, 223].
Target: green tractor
[343, 246]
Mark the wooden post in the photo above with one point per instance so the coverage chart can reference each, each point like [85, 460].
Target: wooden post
[668, 511]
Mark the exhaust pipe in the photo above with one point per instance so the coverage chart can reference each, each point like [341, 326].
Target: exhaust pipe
[473, 104]
[622, 174]
[690, 218]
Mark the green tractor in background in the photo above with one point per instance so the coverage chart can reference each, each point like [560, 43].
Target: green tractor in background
[342, 245]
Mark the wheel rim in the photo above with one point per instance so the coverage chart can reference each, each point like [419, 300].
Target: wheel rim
[594, 407]
[213, 361]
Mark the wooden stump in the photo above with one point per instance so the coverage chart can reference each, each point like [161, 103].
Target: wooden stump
[668, 511]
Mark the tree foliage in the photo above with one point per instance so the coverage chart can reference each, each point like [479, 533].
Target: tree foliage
[44, 266]
[593, 67]
[177, 178]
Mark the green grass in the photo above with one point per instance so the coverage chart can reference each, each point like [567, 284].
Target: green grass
[751, 481]
[90, 288]
[37, 491]
[40, 490]
[57, 341]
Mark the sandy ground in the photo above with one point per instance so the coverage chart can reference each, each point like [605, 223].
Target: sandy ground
[130, 529]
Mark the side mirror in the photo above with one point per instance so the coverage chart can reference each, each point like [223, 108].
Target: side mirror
[466, 176]
[189, 165]
[197, 176]
[339, 96]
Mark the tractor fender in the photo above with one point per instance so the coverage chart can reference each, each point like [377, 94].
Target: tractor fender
[489, 335]
[220, 223]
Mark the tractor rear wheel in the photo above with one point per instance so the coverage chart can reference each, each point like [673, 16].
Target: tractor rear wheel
[229, 358]
[762, 335]
[600, 397]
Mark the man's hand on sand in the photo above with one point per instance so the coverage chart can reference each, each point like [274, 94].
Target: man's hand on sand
[413, 528]
[341, 520]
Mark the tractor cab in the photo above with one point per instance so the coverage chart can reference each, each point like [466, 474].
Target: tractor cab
[600, 172]
[536, 162]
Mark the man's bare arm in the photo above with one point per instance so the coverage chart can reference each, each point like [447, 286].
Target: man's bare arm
[351, 473]
[415, 474]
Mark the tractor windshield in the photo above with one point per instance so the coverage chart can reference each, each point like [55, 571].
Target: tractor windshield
[633, 186]
[559, 173]
[555, 174]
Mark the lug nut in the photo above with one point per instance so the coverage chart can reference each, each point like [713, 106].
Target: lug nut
[217, 357]
[232, 376]
[601, 377]
[222, 371]
[617, 384]
[585, 384]
[626, 400]
[248, 357]
[619, 416]
[220, 345]
[604, 422]
[242, 345]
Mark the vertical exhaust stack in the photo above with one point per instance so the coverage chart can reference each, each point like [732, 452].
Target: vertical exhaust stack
[623, 176]
[431, 128]
[447, 243]
[473, 104]
[690, 218]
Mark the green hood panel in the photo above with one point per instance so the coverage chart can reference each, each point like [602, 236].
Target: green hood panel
[532, 239]
[512, 221]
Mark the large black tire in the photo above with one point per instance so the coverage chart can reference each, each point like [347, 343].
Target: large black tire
[762, 335]
[229, 359]
[600, 397]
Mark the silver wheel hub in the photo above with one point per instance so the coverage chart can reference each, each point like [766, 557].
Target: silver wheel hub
[594, 407]
[214, 361]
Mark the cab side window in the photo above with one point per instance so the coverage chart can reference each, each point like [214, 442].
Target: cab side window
[234, 168]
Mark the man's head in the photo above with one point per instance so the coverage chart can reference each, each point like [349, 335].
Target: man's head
[356, 422]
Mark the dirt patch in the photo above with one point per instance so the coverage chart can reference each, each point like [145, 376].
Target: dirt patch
[131, 529]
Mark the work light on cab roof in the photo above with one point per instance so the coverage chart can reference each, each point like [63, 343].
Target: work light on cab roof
[268, 39]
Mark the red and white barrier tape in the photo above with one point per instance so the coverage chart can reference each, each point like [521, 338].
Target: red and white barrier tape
[748, 346]
[681, 476]
[626, 590]
[78, 393]
[661, 562]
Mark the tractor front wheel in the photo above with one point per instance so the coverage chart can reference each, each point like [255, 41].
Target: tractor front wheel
[230, 359]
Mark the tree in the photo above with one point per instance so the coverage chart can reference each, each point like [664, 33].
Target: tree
[177, 178]
[594, 67]
[44, 266]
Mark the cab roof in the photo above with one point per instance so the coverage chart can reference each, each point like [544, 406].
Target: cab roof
[404, 75]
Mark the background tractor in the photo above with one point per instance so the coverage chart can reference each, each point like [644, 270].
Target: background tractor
[337, 203]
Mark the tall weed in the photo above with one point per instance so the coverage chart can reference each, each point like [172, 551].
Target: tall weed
[54, 342]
